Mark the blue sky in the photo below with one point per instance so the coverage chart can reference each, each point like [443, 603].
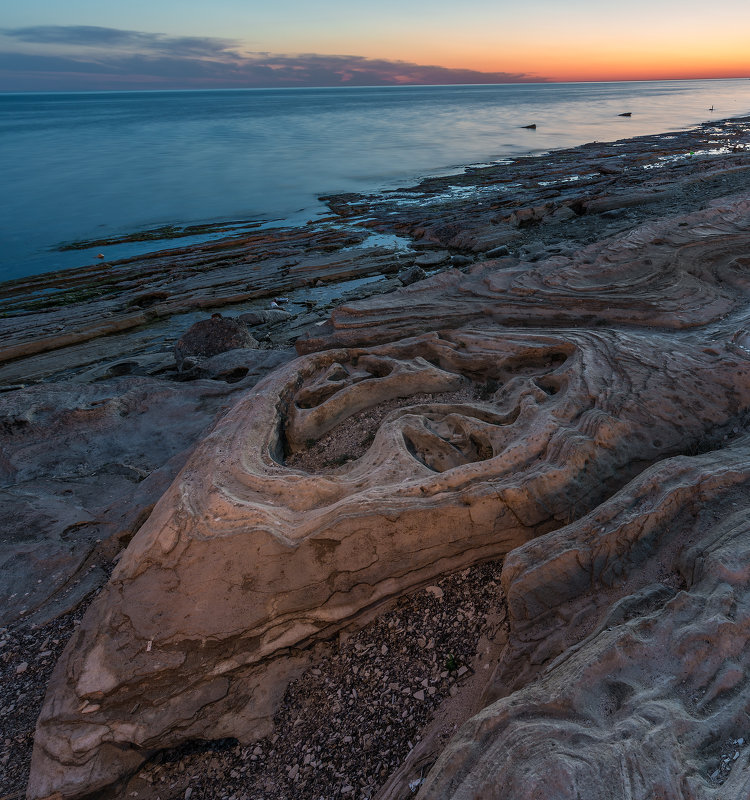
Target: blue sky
[166, 43]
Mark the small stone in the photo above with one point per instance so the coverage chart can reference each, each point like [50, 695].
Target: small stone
[264, 317]
[411, 274]
[188, 793]
[384, 650]
[462, 671]
[563, 214]
[21, 668]
[432, 259]
[436, 591]
[419, 695]
[453, 691]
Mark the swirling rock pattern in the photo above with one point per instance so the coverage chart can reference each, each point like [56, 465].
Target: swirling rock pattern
[653, 701]
[244, 560]
[666, 274]
[604, 459]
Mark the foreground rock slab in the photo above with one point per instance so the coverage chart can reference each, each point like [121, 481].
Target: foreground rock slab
[652, 701]
[81, 466]
[244, 560]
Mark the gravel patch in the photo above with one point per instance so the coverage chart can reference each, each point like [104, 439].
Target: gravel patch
[28, 654]
[350, 439]
[351, 719]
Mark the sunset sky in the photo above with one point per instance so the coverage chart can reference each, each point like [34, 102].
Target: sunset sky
[91, 44]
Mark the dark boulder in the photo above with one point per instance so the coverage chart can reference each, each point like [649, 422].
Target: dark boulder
[411, 274]
[209, 337]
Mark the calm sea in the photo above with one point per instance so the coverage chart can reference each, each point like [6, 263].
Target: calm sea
[97, 165]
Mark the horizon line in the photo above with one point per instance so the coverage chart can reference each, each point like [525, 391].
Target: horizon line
[369, 86]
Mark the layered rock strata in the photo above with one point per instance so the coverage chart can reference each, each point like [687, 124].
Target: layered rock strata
[244, 560]
[599, 443]
[653, 701]
[664, 274]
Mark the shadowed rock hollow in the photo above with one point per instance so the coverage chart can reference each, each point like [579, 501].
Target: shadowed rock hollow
[604, 453]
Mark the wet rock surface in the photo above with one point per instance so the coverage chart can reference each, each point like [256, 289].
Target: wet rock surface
[568, 391]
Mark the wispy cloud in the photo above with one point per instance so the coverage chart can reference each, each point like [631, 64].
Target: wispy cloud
[89, 36]
[86, 57]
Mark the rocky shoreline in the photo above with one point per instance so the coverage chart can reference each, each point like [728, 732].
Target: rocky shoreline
[512, 365]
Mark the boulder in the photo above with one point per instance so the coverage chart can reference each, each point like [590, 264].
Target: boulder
[411, 274]
[209, 337]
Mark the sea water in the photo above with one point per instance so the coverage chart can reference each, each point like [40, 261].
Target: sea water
[91, 166]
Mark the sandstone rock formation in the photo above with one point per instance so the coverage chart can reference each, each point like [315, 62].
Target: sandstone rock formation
[650, 703]
[584, 415]
[81, 466]
[243, 560]
[662, 274]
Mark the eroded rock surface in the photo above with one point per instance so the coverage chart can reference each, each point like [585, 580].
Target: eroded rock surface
[652, 702]
[243, 559]
[81, 466]
[662, 274]
[597, 439]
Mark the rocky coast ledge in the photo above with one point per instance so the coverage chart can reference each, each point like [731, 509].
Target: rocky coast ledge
[449, 498]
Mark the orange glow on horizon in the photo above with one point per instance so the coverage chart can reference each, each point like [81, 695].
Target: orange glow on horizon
[548, 49]
[613, 66]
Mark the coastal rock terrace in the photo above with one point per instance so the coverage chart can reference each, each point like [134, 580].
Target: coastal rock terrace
[510, 499]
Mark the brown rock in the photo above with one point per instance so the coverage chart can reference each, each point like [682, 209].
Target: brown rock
[565, 421]
[647, 695]
[658, 275]
[209, 337]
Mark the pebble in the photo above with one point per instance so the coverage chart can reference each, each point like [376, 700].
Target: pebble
[21, 668]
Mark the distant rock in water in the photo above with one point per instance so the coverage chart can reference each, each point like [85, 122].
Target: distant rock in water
[531, 127]
[626, 114]
[209, 337]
